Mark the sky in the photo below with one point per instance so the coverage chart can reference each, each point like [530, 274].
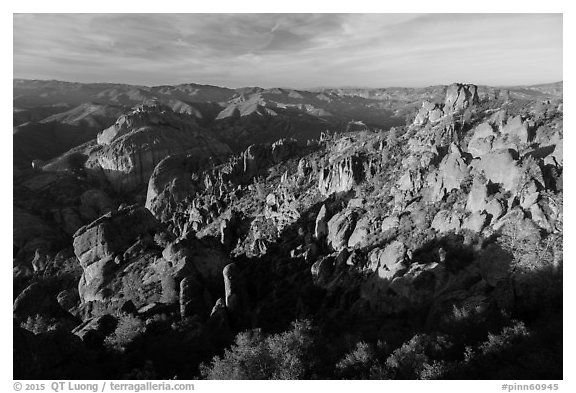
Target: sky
[290, 50]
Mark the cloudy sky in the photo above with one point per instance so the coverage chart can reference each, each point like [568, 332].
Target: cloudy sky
[290, 50]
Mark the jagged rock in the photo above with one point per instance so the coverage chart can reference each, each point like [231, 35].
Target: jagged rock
[540, 218]
[340, 176]
[515, 128]
[529, 194]
[304, 168]
[40, 261]
[446, 221]
[340, 227]
[475, 222]
[500, 166]
[360, 232]
[228, 229]
[460, 96]
[282, 207]
[482, 140]
[557, 157]
[478, 196]
[219, 320]
[193, 254]
[429, 112]
[389, 261]
[515, 215]
[321, 226]
[410, 182]
[495, 209]
[451, 172]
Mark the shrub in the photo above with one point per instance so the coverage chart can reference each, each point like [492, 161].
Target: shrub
[357, 363]
[128, 328]
[415, 359]
[39, 324]
[254, 355]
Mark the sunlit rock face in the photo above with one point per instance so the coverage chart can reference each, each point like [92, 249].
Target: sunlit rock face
[460, 96]
[129, 150]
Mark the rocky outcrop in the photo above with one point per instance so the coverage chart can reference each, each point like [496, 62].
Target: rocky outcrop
[321, 225]
[447, 221]
[340, 176]
[475, 222]
[482, 140]
[94, 331]
[451, 172]
[388, 262]
[460, 96]
[178, 179]
[129, 151]
[429, 112]
[112, 234]
[478, 196]
[360, 233]
[500, 166]
[282, 206]
[340, 227]
[516, 129]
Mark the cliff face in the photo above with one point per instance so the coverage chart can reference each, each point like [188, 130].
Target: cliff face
[129, 150]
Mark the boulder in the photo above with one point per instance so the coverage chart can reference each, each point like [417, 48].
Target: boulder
[94, 331]
[450, 174]
[516, 129]
[475, 222]
[389, 261]
[112, 234]
[360, 232]
[495, 209]
[540, 218]
[321, 225]
[478, 196]
[482, 140]
[390, 222]
[446, 221]
[340, 227]
[500, 166]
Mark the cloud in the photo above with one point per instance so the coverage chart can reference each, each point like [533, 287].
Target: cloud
[296, 50]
